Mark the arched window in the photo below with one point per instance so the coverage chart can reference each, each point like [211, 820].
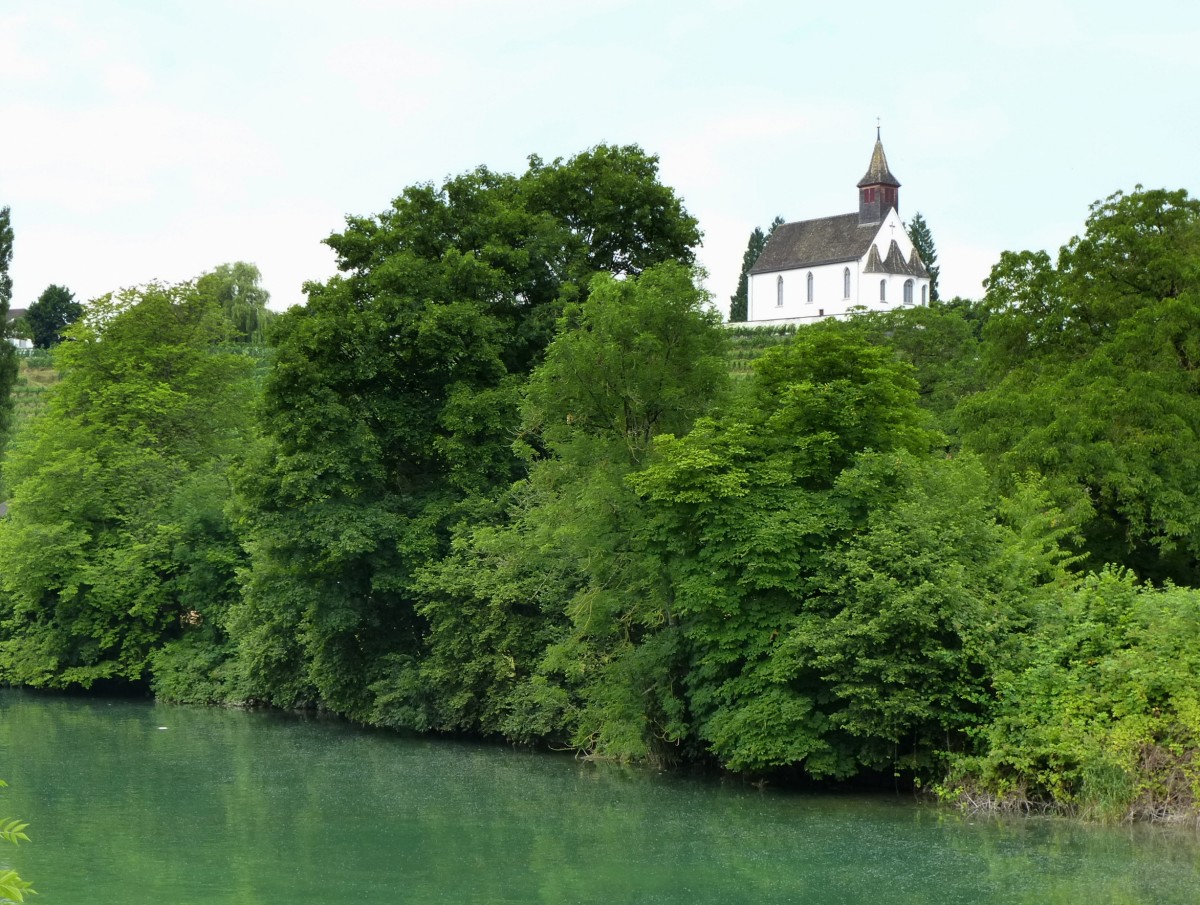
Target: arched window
[908, 292]
[924, 295]
[779, 292]
[883, 290]
[810, 294]
[846, 283]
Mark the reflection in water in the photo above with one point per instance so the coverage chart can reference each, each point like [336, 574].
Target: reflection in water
[232, 807]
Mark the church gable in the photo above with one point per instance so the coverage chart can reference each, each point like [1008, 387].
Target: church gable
[900, 257]
[896, 262]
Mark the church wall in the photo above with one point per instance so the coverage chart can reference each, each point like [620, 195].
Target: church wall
[829, 299]
[895, 291]
[828, 293]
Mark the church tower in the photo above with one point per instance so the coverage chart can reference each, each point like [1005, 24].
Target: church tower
[879, 190]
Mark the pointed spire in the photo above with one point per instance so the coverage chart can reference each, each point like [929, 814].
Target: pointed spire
[878, 172]
[879, 190]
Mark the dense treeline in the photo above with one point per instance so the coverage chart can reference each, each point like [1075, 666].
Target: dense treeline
[499, 477]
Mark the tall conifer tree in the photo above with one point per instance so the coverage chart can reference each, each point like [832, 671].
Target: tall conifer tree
[740, 300]
[922, 238]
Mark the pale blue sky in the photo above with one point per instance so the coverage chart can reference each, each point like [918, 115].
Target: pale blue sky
[155, 140]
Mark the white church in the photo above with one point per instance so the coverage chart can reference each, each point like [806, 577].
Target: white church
[816, 269]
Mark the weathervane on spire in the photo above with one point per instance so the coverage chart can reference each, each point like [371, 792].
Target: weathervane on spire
[877, 128]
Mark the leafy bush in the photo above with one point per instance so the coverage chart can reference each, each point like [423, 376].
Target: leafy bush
[1103, 719]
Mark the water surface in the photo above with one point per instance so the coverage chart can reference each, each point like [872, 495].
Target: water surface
[132, 802]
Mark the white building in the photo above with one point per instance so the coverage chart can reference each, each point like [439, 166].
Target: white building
[13, 315]
[816, 269]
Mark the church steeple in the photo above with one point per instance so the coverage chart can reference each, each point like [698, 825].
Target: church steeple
[878, 190]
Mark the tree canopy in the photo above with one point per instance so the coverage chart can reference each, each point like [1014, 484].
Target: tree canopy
[1091, 371]
[95, 552]
[783, 522]
[394, 392]
[47, 318]
[533, 615]
[6, 252]
[237, 288]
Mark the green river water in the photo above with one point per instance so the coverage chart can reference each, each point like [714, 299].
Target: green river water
[131, 802]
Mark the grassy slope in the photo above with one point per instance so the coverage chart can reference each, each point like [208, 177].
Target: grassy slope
[35, 377]
[747, 343]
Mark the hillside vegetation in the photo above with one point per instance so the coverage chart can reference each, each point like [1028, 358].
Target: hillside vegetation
[745, 344]
[506, 474]
[36, 375]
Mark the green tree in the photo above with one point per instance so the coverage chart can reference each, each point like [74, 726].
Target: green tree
[744, 510]
[1101, 717]
[8, 354]
[390, 409]
[237, 288]
[551, 623]
[841, 588]
[922, 239]
[619, 217]
[101, 538]
[1138, 251]
[1091, 365]
[939, 341]
[739, 301]
[638, 358]
[972, 311]
[51, 314]
[6, 252]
